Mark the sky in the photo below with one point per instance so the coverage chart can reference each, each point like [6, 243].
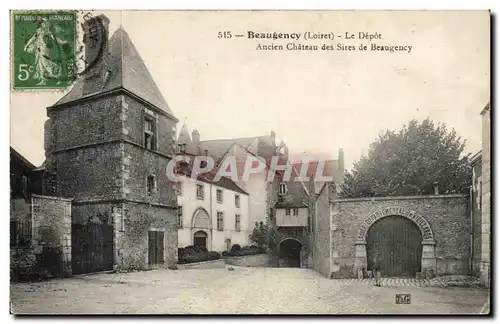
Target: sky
[316, 101]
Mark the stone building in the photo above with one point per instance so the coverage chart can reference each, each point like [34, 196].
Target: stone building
[485, 268]
[481, 206]
[481, 203]
[108, 142]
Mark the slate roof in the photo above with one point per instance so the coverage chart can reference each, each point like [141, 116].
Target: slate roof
[296, 195]
[219, 148]
[15, 155]
[208, 177]
[127, 70]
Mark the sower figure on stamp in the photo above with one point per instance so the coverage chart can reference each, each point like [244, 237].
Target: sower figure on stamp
[49, 52]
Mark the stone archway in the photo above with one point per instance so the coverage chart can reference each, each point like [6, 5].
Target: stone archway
[201, 223]
[290, 252]
[428, 261]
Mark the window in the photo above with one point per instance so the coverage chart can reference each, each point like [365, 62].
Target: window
[149, 133]
[237, 201]
[219, 196]
[237, 223]
[200, 193]
[282, 190]
[287, 211]
[151, 184]
[295, 212]
[220, 221]
[179, 217]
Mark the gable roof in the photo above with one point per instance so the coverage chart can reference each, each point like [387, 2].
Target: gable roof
[296, 196]
[209, 177]
[16, 156]
[125, 69]
[218, 149]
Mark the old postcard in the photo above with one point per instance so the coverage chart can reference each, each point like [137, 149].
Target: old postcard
[250, 162]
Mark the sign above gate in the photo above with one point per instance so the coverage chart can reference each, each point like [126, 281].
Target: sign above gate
[418, 219]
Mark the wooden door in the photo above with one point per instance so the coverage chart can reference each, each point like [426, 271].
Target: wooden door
[91, 247]
[155, 247]
[394, 244]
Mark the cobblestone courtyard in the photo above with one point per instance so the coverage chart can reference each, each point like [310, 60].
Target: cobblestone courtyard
[242, 291]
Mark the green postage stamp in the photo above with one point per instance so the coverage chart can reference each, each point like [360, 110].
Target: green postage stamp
[43, 49]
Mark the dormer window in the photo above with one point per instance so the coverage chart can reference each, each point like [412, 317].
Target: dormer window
[283, 189]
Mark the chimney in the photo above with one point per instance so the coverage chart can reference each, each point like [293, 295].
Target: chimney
[341, 160]
[96, 37]
[436, 189]
[273, 136]
[195, 135]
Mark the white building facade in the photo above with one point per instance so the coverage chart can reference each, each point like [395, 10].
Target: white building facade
[212, 214]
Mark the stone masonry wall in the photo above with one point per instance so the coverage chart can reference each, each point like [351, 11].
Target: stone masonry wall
[90, 173]
[132, 116]
[49, 220]
[485, 271]
[132, 223]
[52, 233]
[85, 123]
[447, 216]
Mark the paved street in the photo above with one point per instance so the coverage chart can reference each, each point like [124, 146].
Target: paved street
[242, 291]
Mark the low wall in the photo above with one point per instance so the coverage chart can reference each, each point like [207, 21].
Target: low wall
[257, 260]
[212, 264]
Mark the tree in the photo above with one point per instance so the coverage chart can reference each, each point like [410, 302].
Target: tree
[411, 161]
[264, 235]
[259, 234]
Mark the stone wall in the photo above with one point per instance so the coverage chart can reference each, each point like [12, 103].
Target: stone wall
[485, 271]
[132, 223]
[320, 236]
[257, 260]
[447, 216]
[476, 217]
[49, 222]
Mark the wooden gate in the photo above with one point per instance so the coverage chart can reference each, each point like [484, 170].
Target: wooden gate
[91, 247]
[394, 244]
[156, 241]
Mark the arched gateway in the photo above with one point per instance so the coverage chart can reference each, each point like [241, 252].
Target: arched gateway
[290, 252]
[399, 240]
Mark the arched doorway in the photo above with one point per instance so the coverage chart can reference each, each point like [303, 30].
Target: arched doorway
[200, 239]
[394, 245]
[289, 253]
[201, 228]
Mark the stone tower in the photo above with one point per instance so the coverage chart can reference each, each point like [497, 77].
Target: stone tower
[108, 142]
